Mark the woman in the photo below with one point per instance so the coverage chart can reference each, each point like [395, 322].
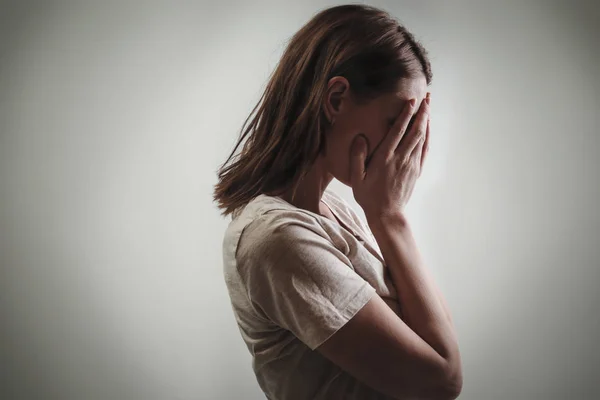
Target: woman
[329, 306]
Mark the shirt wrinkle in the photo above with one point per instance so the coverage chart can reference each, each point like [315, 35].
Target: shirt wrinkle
[294, 279]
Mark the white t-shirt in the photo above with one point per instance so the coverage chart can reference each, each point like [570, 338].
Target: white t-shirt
[294, 278]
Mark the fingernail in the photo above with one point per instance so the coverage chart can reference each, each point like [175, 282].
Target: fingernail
[412, 102]
[427, 98]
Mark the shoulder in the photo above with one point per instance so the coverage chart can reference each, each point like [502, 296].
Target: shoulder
[275, 228]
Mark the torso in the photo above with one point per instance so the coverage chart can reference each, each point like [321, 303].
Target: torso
[276, 353]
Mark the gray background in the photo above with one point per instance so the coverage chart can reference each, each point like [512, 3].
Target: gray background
[114, 117]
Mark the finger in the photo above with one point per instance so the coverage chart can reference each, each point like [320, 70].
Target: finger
[425, 150]
[417, 153]
[416, 133]
[358, 155]
[396, 132]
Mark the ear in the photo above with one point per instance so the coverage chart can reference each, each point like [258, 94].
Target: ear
[336, 97]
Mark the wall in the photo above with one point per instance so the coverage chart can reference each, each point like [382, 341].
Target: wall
[114, 117]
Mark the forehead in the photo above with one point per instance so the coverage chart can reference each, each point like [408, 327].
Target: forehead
[407, 88]
[411, 88]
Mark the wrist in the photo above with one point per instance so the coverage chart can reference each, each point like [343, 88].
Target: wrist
[382, 222]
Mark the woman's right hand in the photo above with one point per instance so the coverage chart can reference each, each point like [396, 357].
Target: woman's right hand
[386, 184]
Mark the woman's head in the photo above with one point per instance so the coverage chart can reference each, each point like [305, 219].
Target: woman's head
[352, 117]
[347, 71]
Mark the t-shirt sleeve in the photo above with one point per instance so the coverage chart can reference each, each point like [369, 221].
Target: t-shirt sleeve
[298, 279]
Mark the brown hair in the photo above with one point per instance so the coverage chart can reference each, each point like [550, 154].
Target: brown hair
[364, 44]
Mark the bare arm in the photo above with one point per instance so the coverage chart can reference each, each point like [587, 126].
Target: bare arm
[424, 308]
[442, 300]
[417, 357]
[438, 293]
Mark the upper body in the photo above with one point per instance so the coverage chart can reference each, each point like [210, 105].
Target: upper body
[315, 291]
[295, 278]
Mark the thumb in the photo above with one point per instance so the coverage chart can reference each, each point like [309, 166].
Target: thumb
[357, 158]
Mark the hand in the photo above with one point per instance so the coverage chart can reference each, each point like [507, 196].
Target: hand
[385, 187]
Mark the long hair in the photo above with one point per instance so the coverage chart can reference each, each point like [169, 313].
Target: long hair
[364, 44]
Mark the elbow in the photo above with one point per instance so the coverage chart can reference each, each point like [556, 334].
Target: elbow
[452, 383]
[446, 384]
[452, 389]
[444, 381]
[448, 389]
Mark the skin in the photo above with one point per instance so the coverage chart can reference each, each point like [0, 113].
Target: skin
[415, 356]
[374, 120]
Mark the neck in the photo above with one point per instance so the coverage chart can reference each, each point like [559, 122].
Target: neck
[310, 189]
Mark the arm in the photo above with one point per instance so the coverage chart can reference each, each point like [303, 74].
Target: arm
[417, 357]
[442, 300]
[438, 293]
[424, 308]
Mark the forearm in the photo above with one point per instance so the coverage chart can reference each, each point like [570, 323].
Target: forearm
[423, 307]
[439, 295]
[442, 300]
